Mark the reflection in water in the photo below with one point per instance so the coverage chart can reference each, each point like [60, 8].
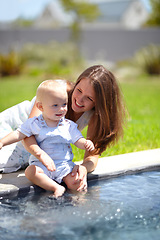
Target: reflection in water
[127, 206]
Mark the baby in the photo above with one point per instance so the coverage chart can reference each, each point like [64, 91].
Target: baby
[54, 134]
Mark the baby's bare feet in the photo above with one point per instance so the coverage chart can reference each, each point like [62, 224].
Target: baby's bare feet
[59, 191]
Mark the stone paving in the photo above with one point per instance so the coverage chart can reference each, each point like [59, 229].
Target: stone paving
[113, 166]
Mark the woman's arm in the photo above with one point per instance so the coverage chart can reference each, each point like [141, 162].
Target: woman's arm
[35, 111]
[89, 164]
[90, 160]
[79, 172]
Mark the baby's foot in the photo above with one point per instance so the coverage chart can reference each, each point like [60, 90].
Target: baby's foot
[59, 191]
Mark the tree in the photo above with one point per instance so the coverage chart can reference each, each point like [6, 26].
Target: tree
[81, 11]
[154, 18]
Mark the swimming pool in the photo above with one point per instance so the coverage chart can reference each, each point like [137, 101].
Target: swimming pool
[127, 207]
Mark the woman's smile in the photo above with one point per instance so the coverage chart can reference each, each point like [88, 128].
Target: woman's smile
[79, 105]
[83, 97]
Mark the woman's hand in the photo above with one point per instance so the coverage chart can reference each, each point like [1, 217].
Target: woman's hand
[80, 174]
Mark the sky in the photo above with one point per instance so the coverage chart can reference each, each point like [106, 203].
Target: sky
[12, 9]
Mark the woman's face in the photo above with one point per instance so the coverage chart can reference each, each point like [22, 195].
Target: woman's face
[83, 97]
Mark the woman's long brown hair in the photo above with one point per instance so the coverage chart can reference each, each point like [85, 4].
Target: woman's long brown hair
[109, 110]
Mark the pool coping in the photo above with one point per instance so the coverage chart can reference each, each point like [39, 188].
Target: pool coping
[108, 167]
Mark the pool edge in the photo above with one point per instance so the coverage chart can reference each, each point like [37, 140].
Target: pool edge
[108, 167]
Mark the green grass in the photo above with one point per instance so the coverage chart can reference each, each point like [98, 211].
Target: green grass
[142, 97]
[16, 89]
[143, 127]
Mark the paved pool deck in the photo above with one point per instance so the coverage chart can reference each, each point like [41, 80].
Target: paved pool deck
[108, 167]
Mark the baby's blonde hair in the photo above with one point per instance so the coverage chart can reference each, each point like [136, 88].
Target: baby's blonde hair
[49, 85]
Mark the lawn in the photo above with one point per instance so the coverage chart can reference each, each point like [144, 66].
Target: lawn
[142, 97]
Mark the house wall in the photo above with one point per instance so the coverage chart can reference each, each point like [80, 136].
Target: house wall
[114, 14]
[135, 16]
[96, 43]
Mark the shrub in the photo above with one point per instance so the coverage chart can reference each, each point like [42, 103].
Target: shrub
[10, 64]
[52, 59]
[149, 59]
[60, 59]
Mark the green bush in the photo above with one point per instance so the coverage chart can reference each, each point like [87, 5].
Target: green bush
[11, 64]
[149, 59]
[53, 59]
[60, 59]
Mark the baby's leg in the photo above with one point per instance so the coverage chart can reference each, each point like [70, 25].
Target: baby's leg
[37, 176]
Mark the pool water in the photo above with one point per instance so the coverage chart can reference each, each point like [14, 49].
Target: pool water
[127, 208]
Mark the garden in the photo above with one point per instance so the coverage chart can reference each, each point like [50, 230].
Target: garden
[139, 79]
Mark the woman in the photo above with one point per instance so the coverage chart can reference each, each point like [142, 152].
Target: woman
[96, 101]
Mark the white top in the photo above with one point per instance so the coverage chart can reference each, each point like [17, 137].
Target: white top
[84, 120]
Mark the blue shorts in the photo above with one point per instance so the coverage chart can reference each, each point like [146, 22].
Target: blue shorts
[62, 170]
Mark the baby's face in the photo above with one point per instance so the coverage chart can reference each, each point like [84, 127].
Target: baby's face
[55, 105]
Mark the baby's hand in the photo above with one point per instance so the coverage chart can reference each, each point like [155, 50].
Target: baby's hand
[89, 145]
[47, 161]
